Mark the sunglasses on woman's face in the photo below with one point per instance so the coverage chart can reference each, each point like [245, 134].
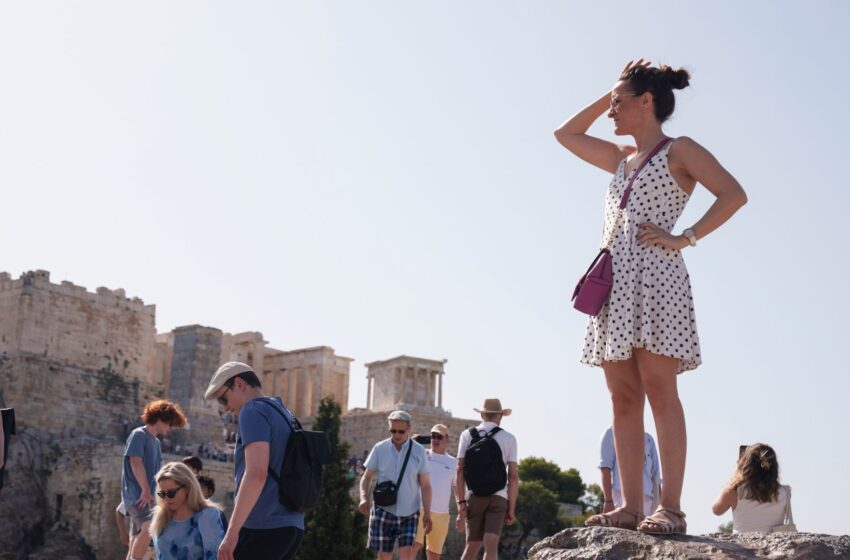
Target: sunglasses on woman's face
[397, 431]
[436, 436]
[170, 494]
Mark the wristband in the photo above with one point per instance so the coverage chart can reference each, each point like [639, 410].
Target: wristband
[461, 502]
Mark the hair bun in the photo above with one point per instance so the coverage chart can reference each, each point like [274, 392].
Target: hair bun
[678, 79]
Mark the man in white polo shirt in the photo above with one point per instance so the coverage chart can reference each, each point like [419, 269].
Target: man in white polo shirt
[443, 477]
[487, 463]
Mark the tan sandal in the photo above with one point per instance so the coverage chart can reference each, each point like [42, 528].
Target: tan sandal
[615, 518]
[664, 521]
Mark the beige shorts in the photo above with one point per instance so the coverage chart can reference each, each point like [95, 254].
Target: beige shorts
[439, 531]
[485, 514]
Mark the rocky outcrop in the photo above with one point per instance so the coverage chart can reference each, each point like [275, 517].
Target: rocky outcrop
[620, 544]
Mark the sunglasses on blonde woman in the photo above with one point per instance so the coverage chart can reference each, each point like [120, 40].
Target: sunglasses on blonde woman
[170, 494]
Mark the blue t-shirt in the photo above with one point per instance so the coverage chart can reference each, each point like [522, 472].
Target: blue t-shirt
[140, 444]
[196, 538]
[259, 422]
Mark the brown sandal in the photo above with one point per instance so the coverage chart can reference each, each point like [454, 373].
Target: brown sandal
[615, 518]
[664, 521]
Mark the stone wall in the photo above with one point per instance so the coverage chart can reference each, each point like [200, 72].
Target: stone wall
[71, 401]
[102, 331]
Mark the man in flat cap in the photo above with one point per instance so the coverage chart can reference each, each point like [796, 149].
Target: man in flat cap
[487, 464]
[401, 462]
[261, 528]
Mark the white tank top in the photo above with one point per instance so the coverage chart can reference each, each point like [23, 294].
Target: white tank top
[750, 515]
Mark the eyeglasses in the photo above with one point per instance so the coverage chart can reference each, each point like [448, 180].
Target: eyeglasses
[397, 431]
[170, 494]
[222, 400]
[438, 437]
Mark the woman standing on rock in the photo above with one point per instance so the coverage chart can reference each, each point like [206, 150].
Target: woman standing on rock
[645, 334]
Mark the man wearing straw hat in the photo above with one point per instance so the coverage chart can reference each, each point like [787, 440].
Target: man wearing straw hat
[486, 508]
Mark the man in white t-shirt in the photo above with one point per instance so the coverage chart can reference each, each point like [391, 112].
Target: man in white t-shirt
[443, 481]
[489, 508]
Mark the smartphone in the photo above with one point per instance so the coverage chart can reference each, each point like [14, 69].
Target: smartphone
[423, 440]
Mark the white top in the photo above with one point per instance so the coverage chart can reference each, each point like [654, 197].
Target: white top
[443, 479]
[506, 441]
[750, 515]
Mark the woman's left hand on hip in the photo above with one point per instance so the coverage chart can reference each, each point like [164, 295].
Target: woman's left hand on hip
[651, 234]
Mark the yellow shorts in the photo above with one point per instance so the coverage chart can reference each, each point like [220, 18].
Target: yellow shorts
[439, 531]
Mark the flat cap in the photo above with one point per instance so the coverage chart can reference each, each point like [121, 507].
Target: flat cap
[224, 374]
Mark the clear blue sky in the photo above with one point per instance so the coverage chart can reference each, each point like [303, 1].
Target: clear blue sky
[382, 178]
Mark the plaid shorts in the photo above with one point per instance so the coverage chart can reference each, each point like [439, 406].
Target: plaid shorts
[385, 528]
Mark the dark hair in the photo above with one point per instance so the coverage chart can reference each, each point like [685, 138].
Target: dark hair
[758, 474]
[208, 482]
[167, 411]
[660, 82]
[193, 463]
[249, 377]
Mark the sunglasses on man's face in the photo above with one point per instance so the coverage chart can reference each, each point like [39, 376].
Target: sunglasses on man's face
[436, 436]
[170, 494]
[392, 431]
[222, 400]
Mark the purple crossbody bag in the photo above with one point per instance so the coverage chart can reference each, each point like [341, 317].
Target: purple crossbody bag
[595, 285]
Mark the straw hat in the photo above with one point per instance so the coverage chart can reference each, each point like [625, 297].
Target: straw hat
[493, 406]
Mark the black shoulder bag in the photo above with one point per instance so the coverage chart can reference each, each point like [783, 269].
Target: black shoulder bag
[386, 493]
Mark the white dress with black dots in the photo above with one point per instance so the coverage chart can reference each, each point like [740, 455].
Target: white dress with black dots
[650, 305]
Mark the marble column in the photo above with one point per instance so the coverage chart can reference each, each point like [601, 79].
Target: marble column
[368, 392]
[440, 390]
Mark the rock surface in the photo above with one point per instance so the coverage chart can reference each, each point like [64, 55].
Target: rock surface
[616, 544]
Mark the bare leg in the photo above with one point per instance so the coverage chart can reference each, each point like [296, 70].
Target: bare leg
[491, 546]
[658, 374]
[385, 556]
[627, 397]
[431, 555]
[405, 553]
[471, 550]
[142, 542]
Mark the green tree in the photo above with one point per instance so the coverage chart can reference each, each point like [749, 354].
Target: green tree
[567, 485]
[332, 530]
[536, 509]
[593, 499]
[725, 528]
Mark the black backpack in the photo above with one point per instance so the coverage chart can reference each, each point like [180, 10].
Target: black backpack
[483, 465]
[299, 484]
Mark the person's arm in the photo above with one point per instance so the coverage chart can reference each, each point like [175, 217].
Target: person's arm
[425, 491]
[704, 168]
[138, 467]
[607, 490]
[728, 499]
[2, 444]
[573, 134]
[212, 531]
[365, 484]
[513, 492]
[460, 495]
[123, 534]
[250, 487]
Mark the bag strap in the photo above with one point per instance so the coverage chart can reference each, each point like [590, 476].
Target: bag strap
[404, 466]
[294, 425]
[625, 199]
[636, 172]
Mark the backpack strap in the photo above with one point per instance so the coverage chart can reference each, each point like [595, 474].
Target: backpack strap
[474, 433]
[294, 426]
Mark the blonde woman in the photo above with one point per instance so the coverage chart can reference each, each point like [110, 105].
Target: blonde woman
[185, 526]
[758, 501]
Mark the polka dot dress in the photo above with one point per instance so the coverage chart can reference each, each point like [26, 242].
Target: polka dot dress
[650, 305]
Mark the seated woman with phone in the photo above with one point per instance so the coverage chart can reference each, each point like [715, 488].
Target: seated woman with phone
[758, 501]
